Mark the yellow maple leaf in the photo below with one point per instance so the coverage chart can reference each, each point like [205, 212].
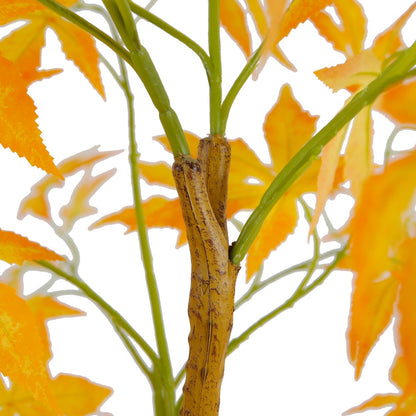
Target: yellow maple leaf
[374, 246]
[20, 133]
[234, 21]
[12, 10]
[23, 47]
[77, 45]
[397, 103]
[36, 203]
[348, 35]
[79, 207]
[75, 395]
[15, 248]
[22, 353]
[45, 308]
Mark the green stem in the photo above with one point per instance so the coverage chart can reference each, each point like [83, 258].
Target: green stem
[258, 286]
[300, 292]
[181, 37]
[114, 316]
[87, 26]
[145, 69]
[214, 45]
[389, 144]
[161, 340]
[395, 72]
[237, 85]
[153, 291]
[133, 352]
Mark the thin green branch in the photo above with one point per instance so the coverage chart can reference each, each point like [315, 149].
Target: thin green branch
[170, 30]
[237, 85]
[143, 65]
[388, 150]
[115, 317]
[87, 26]
[395, 72]
[156, 308]
[166, 376]
[214, 45]
[299, 293]
[134, 353]
[260, 285]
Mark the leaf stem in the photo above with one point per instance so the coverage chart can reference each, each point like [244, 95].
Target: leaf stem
[114, 316]
[170, 30]
[133, 352]
[87, 26]
[237, 85]
[396, 71]
[166, 376]
[214, 45]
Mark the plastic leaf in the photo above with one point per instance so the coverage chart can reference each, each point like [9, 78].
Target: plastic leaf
[157, 173]
[18, 117]
[36, 202]
[76, 396]
[23, 47]
[45, 308]
[16, 249]
[374, 244]
[159, 212]
[398, 103]
[79, 47]
[330, 161]
[76, 43]
[348, 36]
[234, 21]
[406, 310]
[377, 401]
[390, 41]
[355, 73]
[79, 207]
[298, 12]
[21, 350]
[12, 10]
[358, 154]
[258, 14]
[287, 128]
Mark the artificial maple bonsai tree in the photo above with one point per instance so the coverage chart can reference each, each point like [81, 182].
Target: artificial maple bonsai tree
[213, 177]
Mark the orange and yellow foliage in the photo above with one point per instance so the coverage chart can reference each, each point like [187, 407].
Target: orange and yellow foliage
[380, 232]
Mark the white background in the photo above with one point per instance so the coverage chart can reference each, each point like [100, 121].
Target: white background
[294, 366]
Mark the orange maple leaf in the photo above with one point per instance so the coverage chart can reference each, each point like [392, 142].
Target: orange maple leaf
[234, 21]
[25, 43]
[273, 21]
[20, 133]
[75, 395]
[15, 248]
[36, 203]
[22, 353]
[375, 241]
[348, 35]
[397, 103]
[45, 308]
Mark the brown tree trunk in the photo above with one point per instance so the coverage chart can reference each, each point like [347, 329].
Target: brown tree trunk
[202, 188]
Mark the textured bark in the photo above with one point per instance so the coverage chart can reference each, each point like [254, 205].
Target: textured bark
[202, 188]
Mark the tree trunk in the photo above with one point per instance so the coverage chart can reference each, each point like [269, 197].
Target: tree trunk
[202, 188]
